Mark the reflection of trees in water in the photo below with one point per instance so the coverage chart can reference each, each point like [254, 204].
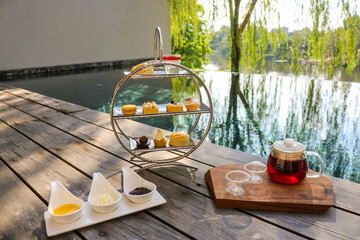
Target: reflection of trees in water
[253, 111]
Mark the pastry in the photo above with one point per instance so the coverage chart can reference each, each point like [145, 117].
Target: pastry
[174, 107]
[191, 104]
[160, 139]
[129, 109]
[148, 70]
[142, 142]
[179, 139]
[150, 107]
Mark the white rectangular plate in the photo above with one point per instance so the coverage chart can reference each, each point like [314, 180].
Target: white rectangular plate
[152, 147]
[157, 73]
[90, 217]
[162, 112]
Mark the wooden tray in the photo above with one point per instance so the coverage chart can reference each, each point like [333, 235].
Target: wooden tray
[312, 195]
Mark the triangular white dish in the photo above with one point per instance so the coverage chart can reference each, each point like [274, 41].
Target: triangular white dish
[131, 181]
[100, 187]
[59, 196]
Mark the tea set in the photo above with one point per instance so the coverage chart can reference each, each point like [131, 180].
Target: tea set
[287, 164]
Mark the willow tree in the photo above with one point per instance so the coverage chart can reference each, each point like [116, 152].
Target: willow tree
[236, 30]
[249, 38]
[190, 35]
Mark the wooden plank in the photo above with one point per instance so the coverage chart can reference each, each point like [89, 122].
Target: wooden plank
[347, 193]
[182, 177]
[286, 220]
[282, 219]
[60, 105]
[88, 159]
[21, 211]
[38, 167]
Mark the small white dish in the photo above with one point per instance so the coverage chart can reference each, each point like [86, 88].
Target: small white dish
[131, 181]
[59, 196]
[101, 186]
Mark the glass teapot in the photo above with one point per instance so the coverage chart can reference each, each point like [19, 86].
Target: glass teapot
[288, 162]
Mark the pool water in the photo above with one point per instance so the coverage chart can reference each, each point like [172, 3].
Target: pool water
[251, 111]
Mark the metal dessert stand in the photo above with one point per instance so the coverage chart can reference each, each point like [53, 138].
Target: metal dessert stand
[128, 142]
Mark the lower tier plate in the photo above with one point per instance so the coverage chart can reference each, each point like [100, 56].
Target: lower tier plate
[90, 217]
[152, 147]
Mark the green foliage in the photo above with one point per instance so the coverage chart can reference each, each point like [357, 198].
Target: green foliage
[339, 46]
[190, 36]
[351, 43]
[220, 48]
[194, 47]
[249, 49]
[296, 52]
[320, 44]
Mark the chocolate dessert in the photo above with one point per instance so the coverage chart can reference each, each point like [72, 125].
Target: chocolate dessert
[142, 142]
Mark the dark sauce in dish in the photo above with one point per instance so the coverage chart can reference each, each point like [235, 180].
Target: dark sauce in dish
[140, 191]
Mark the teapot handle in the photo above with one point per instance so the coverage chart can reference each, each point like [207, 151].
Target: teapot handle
[317, 174]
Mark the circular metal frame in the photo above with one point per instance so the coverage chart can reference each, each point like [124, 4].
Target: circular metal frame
[160, 63]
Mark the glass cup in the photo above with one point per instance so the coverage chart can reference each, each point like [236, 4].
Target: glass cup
[257, 171]
[172, 58]
[235, 182]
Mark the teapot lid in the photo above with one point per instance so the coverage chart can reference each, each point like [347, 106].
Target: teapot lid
[288, 149]
[289, 145]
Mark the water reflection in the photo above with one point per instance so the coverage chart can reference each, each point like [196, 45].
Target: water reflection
[284, 69]
[252, 111]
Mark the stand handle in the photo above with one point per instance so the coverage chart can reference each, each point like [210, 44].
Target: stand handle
[156, 38]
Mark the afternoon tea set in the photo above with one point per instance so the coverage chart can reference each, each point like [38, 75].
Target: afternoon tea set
[236, 185]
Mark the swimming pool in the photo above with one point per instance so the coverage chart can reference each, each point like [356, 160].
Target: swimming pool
[251, 111]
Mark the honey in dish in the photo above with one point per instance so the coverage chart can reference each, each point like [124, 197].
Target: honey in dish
[66, 208]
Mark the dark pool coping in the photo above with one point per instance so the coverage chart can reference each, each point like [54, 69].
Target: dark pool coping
[60, 70]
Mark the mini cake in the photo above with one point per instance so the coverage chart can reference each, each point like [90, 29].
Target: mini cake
[179, 139]
[160, 139]
[191, 104]
[150, 107]
[142, 142]
[148, 70]
[129, 109]
[174, 107]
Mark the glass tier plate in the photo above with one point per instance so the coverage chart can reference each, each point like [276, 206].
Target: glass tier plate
[152, 147]
[162, 112]
[160, 74]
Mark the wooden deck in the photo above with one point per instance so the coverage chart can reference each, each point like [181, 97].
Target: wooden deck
[44, 139]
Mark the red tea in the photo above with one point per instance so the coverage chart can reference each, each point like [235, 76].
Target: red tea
[287, 171]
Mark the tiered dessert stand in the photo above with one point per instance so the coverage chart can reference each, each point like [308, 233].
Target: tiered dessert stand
[128, 142]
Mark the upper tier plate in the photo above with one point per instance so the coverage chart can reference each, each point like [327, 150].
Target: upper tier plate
[162, 112]
[161, 74]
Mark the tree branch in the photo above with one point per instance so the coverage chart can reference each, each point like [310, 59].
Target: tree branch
[248, 15]
[231, 11]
